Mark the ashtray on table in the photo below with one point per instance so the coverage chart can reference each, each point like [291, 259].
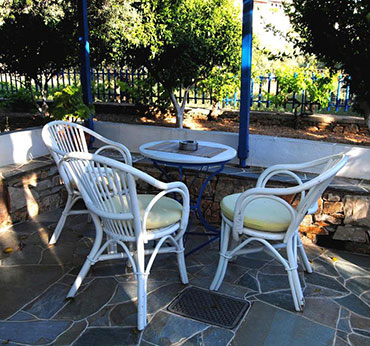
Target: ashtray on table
[188, 145]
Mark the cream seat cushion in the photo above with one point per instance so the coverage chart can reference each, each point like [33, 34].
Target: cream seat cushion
[262, 214]
[165, 212]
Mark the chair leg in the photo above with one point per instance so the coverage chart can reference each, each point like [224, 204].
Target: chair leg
[142, 277]
[223, 260]
[302, 255]
[295, 284]
[141, 300]
[91, 258]
[181, 263]
[71, 200]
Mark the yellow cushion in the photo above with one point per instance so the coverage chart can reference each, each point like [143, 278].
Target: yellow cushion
[262, 214]
[165, 212]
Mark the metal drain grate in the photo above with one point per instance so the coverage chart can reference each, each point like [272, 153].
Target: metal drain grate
[207, 306]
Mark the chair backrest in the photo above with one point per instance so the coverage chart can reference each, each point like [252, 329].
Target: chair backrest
[108, 189]
[315, 187]
[62, 137]
[310, 191]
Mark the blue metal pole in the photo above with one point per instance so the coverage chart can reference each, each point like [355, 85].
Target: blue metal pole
[243, 148]
[85, 59]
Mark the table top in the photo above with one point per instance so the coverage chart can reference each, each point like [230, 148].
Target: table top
[228, 154]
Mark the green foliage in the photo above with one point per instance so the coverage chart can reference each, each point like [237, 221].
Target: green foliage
[68, 105]
[146, 91]
[180, 42]
[18, 101]
[220, 82]
[37, 40]
[338, 33]
[317, 85]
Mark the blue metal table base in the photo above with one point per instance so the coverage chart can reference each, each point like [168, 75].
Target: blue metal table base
[196, 205]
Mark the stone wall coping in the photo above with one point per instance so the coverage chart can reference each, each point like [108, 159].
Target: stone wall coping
[351, 186]
[16, 169]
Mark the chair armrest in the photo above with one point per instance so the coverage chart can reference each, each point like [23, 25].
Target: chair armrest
[183, 191]
[120, 148]
[166, 188]
[268, 173]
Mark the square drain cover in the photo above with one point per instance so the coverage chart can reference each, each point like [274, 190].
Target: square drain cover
[209, 307]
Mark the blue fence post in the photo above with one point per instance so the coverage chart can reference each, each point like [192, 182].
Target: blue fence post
[69, 76]
[268, 90]
[109, 79]
[251, 93]
[115, 84]
[103, 73]
[303, 101]
[337, 101]
[346, 102]
[293, 101]
[313, 81]
[259, 102]
[329, 101]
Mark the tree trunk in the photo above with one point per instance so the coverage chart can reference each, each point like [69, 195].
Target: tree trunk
[365, 107]
[213, 113]
[179, 108]
[28, 85]
[44, 106]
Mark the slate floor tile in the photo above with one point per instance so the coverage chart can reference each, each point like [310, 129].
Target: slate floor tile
[33, 332]
[212, 336]
[85, 303]
[108, 337]
[168, 329]
[50, 302]
[356, 305]
[280, 328]
[325, 281]
[21, 284]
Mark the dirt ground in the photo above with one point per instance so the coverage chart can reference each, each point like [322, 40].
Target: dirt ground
[16, 121]
[231, 124]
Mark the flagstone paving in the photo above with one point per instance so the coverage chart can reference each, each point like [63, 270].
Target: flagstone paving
[35, 279]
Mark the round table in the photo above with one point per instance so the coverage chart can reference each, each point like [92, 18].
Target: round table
[211, 166]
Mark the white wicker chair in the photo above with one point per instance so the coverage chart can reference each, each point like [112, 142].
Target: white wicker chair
[260, 215]
[62, 137]
[127, 218]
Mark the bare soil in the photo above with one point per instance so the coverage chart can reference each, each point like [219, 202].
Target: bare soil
[323, 132]
[225, 122]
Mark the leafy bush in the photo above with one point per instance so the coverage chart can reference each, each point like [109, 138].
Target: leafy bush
[68, 105]
[316, 84]
[146, 91]
[18, 101]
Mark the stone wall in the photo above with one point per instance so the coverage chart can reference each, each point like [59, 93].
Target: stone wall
[342, 220]
[28, 190]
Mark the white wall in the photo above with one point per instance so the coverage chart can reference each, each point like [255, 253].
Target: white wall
[22, 146]
[264, 150]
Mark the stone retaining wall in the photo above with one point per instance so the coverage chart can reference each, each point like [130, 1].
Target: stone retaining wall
[28, 190]
[342, 221]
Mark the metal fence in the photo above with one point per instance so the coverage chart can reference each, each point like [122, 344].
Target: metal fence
[133, 86]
